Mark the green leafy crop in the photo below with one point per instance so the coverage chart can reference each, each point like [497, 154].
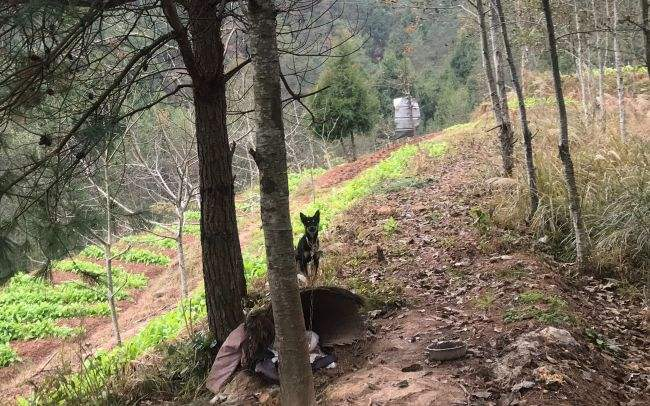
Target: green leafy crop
[151, 240]
[142, 256]
[7, 355]
[92, 251]
[121, 278]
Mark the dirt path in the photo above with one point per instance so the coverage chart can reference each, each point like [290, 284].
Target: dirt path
[459, 281]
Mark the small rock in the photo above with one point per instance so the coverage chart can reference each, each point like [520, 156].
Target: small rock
[558, 336]
[482, 394]
[412, 368]
[402, 384]
[523, 385]
[509, 367]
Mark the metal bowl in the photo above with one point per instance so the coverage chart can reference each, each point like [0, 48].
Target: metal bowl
[446, 350]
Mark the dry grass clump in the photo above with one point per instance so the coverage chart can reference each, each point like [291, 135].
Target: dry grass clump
[614, 183]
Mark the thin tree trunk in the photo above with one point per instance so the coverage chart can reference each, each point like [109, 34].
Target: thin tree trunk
[506, 133]
[645, 20]
[528, 137]
[182, 269]
[601, 69]
[506, 152]
[108, 256]
[619, 74]
[223, 268]
[580, 72]
[524, 49]
[354, 148]
[111, 293]
[581, 237]
[296, 381]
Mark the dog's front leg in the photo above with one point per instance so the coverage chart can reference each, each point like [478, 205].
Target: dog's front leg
[301, 266]
[314, 265]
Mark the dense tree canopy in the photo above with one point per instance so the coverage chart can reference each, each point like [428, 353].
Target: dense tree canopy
[347, 104]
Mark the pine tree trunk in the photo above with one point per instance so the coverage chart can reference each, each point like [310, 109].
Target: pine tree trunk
[354, 148]
[581, 237]
[619, 74]
[645, 20]
[528, 137]
[296, 381]
[223, 268]
[506, 133]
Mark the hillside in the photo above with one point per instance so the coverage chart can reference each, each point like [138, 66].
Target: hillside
[456, 261]
[448, 270]
[472, 177]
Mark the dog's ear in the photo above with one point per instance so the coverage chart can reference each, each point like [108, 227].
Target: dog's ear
[303, 218]
[317, 215]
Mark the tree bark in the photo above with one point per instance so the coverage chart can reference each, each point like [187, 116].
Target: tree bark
[645, 20]
[581, 237]
[619, 74]
[528, 137]
[506, 133]
[296, 381]
[354, 148]
[223, 268]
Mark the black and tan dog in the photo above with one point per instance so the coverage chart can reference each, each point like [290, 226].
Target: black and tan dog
[308, 250]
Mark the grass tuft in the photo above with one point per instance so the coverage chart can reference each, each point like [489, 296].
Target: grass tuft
[538, 305]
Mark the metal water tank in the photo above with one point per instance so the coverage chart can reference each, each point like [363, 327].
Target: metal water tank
[407, 116]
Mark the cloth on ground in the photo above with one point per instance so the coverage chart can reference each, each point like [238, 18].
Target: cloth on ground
[231, 352]
[228, 359]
